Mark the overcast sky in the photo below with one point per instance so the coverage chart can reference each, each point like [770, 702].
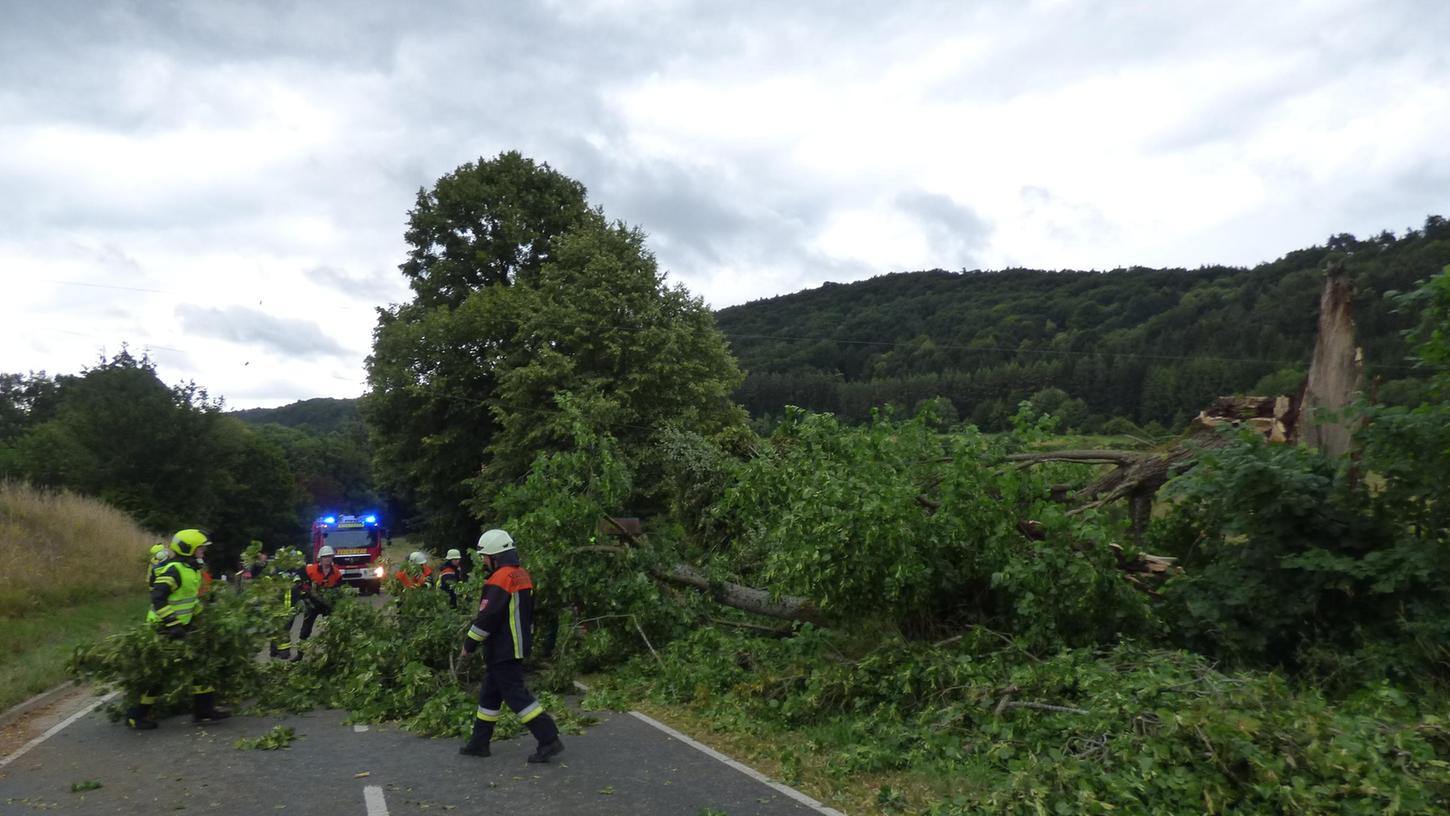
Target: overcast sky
[226, 183]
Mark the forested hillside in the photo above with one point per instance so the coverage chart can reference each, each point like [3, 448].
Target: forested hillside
[319, 415]
[1148, 345]
[326, 446]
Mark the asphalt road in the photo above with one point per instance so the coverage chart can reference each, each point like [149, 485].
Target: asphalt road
[622, 765]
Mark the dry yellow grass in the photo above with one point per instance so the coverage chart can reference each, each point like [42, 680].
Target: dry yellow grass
[59, 549]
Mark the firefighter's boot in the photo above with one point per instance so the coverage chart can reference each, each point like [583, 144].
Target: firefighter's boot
[138, 717]
[547, 750]
[547, 733]
[203, 708]
[478, 742]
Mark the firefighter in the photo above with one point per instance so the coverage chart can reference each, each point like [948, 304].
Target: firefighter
[448, 576]
[160, 554]
[259, 566]
[175, 585]
[320, 575]
[423, 575]
[504, 626]
[288, 597]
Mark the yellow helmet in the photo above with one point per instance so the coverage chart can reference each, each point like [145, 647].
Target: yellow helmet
[187, 542]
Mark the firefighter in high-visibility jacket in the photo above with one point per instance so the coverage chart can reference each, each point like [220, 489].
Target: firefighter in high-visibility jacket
[160, 554]
[504, 628]
[175, 586]
[287, 599]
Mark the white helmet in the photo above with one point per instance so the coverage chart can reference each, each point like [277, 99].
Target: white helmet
[325, 551]
[418, 557]
[452, 555]
[494, 542]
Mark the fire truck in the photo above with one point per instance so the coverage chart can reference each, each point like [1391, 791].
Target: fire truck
[357, 547]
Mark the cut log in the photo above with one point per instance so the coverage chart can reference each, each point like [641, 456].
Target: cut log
[736, 596]
[1092, 457]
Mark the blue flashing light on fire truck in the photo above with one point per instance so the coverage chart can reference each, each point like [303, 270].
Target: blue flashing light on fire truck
[357, 547]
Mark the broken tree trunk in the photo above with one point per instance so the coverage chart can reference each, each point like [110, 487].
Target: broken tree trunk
[1138, 475]
[736, 596]
[1337, 370]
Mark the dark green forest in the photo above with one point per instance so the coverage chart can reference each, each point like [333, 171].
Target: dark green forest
[319, 415]
[172, 457]
[1143, 345]
[167, 455]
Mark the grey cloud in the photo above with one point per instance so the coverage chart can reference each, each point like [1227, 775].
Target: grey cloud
[458, 80]
[378, 287]
[957, 233]
[249, 326]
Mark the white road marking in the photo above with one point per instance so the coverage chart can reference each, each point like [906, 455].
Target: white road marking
[745, 769]
[739, 766]
[373, 798]
[56, 729]
[358, 729]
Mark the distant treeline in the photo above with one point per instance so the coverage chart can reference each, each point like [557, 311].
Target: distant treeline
[171, 457]
[1144, 345]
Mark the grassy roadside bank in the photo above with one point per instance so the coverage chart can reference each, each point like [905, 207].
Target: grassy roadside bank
[74, 570]
[34, 648]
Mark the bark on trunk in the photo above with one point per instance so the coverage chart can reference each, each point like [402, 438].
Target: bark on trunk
[1337, 370]
[736, 596]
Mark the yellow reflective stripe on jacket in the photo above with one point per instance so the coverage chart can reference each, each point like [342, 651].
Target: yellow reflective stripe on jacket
[514, 625]
[475, 633]
[181, 603]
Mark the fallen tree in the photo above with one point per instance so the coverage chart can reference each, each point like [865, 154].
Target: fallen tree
[1335, 375]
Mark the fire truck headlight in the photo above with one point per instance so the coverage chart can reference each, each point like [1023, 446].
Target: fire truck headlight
[370, 519]
[378, 573]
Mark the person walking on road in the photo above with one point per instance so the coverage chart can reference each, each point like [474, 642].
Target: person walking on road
[175, 586]
[504, 627]
[449, 576]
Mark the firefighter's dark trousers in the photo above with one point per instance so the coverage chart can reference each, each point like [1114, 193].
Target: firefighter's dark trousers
[310, 618]
[504, 683]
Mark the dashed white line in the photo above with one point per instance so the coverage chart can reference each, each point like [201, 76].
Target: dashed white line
[373, 798]
[358, 729]
[56, 729]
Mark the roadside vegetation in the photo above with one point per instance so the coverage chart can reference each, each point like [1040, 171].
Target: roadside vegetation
[73, 569]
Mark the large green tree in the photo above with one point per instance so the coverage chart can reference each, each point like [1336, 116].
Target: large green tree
[523, 294]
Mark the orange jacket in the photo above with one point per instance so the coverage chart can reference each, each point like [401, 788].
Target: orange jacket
[317, 579]
[411, 582]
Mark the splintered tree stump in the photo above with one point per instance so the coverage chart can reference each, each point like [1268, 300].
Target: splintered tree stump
[1337, 370]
